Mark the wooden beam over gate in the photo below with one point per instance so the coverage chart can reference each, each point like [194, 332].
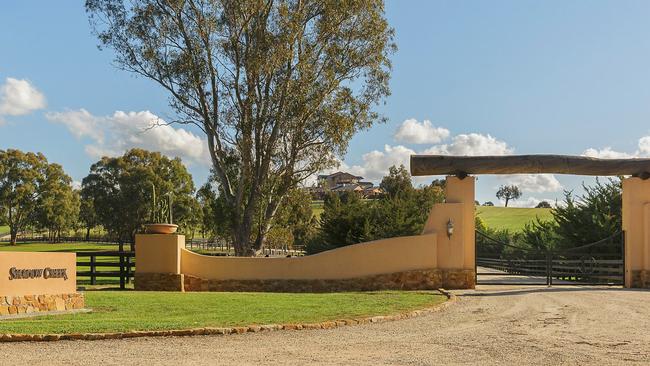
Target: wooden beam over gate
[527, 164]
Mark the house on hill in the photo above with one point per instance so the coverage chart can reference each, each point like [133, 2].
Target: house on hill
[337, 179]
[340, 182]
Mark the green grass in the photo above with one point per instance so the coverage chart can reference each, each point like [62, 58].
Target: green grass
[511, 218]
[125, 311]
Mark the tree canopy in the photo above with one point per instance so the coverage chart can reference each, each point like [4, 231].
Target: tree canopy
[508, 193]
[58, 204]
[35, 193]
[121, 190]
[277, 87]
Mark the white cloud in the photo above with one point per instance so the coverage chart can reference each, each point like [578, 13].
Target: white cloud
[19, 97]
[81, 123]
[112, 135]
[471, 144]
[376, 163]
[412, 131]
[533, 182]
[644, 146]
[608, 153]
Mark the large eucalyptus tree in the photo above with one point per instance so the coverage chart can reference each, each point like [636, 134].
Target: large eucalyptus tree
[279, 87]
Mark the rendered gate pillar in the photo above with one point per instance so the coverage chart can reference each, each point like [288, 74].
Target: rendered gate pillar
[636, 225]
[455, 253]
[158, 262]
[462, 191]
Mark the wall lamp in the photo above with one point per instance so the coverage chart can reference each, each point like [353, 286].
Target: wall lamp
[450, 228]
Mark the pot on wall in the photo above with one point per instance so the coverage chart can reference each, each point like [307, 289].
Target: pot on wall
[161, 228]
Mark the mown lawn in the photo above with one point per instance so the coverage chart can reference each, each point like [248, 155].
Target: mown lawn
[123, 311]
[511, 218]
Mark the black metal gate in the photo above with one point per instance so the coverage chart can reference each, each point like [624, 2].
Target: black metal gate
[598, 263]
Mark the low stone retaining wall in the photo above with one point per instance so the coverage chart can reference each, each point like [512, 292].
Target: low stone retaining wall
[409, 280]
[158, 281]
[429, 279]
[27, 304]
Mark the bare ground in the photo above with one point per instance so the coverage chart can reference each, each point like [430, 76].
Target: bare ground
[560, 325]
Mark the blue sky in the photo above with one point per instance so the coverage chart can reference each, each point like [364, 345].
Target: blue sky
[568, 77]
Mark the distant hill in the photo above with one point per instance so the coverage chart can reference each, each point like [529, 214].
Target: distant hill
[511, 218]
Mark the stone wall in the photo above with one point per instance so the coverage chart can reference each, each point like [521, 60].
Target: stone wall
[640, 279]
[409, 280]
[13, 305]
[158, 281]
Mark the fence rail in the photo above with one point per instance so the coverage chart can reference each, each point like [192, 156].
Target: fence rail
[212, 247]
[105, 264]
[65, 239]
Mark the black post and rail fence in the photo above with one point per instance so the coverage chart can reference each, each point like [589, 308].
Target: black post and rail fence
[105, 264]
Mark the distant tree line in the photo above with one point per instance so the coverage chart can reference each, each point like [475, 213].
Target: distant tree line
[116, 196]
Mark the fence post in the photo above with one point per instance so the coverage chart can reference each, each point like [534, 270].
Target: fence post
[549, 269]
[128, 269]
[92, 270]
[122, 272]
[623, 250]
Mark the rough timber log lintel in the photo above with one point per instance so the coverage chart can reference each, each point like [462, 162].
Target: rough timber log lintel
[527, 164]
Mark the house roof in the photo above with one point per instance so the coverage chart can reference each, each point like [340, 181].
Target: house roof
[339, 174]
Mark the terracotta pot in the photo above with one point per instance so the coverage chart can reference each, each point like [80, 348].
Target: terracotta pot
[161, 228]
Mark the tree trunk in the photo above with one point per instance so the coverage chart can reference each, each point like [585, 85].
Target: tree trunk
[88, 233]
[14, 234]
[507, 199]
[241, 240]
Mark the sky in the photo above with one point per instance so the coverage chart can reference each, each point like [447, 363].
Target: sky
[469, 78]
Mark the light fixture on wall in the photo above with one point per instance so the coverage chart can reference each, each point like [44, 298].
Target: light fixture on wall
[450, 228]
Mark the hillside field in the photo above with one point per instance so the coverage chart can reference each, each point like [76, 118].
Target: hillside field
[500, 218]
[511, 218]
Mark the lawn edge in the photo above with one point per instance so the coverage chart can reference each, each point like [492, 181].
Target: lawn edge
[328, 324]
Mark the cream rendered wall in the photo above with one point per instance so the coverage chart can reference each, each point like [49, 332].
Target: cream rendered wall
[37, 286]
[636, 224]
[158, 253]
[359, 260]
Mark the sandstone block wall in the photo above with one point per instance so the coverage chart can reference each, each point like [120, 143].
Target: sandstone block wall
[408, 280]
[159, 281]
[26, 304]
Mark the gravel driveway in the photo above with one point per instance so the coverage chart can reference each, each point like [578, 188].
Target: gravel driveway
[542, 326]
